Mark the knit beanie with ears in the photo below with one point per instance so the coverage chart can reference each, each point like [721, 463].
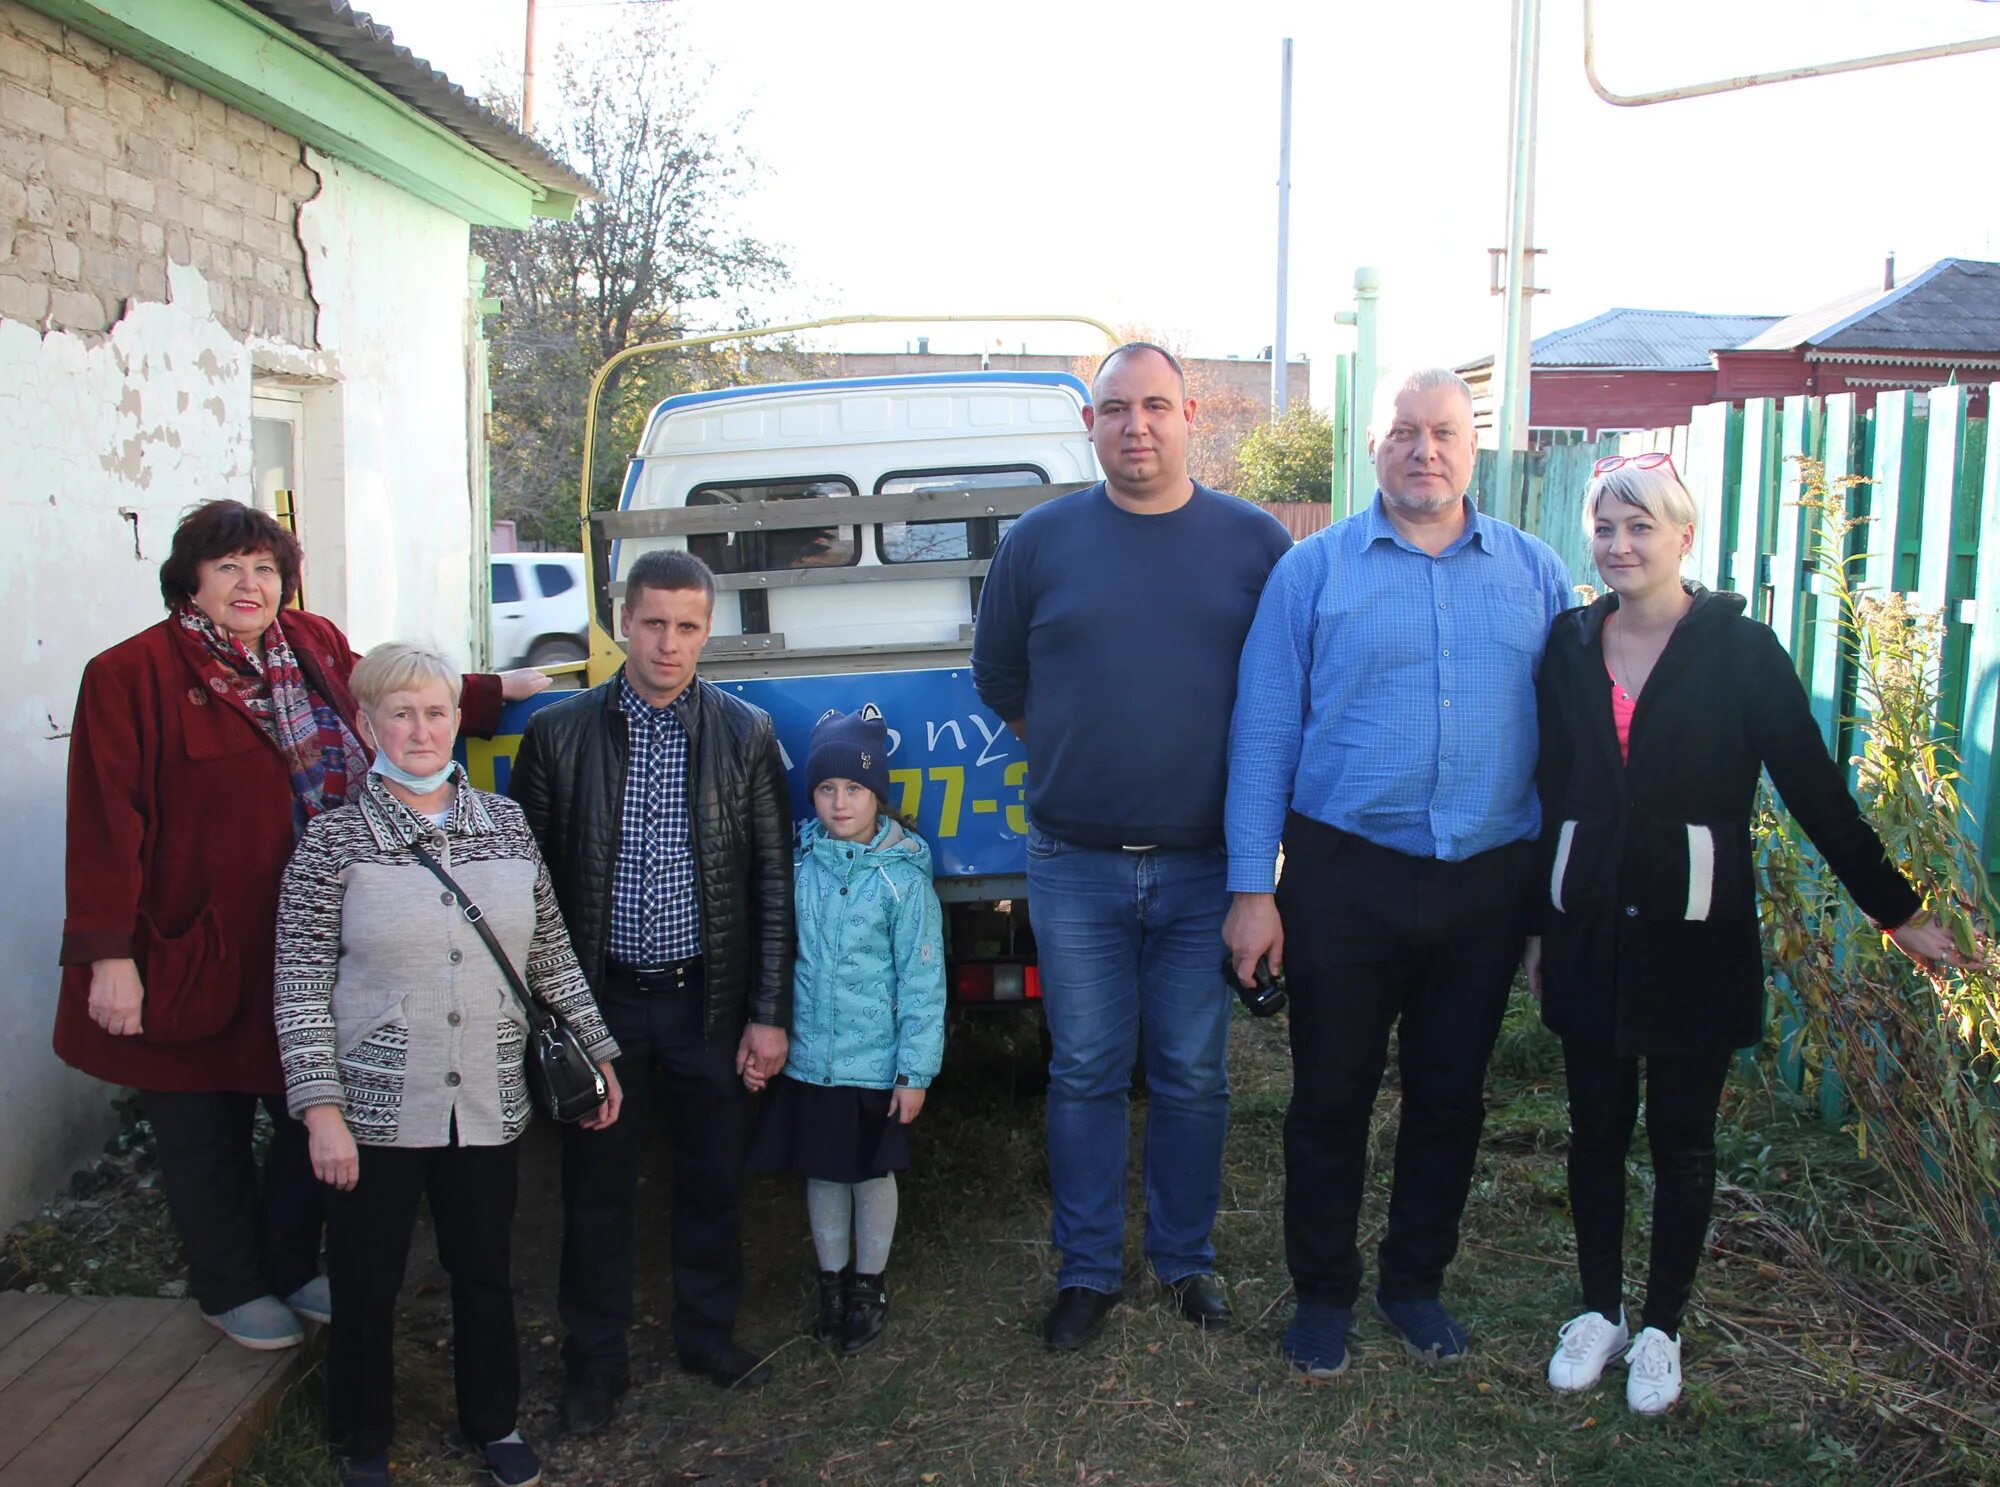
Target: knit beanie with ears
[850, 746]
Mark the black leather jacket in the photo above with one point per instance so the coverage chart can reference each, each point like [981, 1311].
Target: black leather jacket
[570, 779]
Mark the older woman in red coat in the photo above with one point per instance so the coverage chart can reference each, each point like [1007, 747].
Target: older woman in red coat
[201, 747]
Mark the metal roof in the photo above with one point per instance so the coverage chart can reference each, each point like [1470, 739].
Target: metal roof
[1642, 341]
[371, 49]
[1647, 340]
[1953, 307]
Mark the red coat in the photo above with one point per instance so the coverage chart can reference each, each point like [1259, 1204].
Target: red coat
[180, 826]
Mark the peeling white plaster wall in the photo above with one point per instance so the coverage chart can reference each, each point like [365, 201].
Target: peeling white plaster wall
[154, 418]
[389, 274]
[146, 421]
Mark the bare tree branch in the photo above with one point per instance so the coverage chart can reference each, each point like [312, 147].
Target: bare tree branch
[653, 259]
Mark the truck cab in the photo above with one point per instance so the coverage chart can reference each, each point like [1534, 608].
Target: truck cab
[850, 524]
[871, 561]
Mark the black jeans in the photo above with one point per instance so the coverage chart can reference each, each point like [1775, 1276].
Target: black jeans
[471, 1192]
[245, 1235]
[667, 1062]
[1683, 1092]
[1373, 937]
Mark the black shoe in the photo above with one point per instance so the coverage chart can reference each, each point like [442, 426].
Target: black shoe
[832, 1307]
[867, 1313]
[1200, 1300]
[588, 1401]
[1077, 1317]
[728, 1366]
[513, 1464]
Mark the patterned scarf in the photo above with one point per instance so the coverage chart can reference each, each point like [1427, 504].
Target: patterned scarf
[327, 760]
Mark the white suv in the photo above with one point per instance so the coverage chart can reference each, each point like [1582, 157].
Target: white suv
[539, 613]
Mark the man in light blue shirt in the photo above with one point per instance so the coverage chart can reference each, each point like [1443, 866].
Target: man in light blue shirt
[1384, 731]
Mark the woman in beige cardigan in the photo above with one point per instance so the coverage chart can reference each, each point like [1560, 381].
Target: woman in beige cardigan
[403, 1048]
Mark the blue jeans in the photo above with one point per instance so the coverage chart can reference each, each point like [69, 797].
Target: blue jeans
[1132, 939]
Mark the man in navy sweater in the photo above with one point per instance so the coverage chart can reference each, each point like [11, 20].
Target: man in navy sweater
[1108, 636]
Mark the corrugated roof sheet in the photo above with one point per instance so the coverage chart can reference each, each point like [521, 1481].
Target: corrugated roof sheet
[1952, 307]
[371, 49]
[1642, 340]
[1648, 340]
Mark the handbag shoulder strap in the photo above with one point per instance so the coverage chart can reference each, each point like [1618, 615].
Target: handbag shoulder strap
[476, 917]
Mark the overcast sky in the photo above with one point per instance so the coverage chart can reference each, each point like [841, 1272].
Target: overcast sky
[1120, 161]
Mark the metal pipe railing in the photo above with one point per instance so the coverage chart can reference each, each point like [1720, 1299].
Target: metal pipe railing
[1757, 79]
[683, 343]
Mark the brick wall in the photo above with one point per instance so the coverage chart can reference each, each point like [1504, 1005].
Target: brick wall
[108, 169]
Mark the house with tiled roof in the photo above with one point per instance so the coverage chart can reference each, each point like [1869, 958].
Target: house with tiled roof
[1940, 326]
[234, 261]
[1624, 369]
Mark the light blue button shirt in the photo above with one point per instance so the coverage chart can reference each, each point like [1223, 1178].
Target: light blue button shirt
[1391, 694]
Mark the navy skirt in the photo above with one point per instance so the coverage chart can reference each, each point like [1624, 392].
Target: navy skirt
[835, 1133]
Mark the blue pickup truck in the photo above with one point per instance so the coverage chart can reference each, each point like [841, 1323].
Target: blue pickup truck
[850, 524]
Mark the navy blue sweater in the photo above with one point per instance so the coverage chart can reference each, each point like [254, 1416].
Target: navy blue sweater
[1116, 636]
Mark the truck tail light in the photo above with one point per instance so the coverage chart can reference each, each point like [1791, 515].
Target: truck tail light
[990, 981]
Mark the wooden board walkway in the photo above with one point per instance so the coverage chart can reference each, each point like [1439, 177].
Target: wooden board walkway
[126, 1392]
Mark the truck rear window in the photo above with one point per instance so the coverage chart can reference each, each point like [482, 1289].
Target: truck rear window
[786, 547]
[947, 541]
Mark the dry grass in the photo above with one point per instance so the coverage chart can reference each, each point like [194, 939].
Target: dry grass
[1802, 1369]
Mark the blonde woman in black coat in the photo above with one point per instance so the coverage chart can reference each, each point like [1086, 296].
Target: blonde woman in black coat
[1660, 705]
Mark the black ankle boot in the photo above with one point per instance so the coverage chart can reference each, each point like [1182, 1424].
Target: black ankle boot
[832, 1307]
[867, 1313]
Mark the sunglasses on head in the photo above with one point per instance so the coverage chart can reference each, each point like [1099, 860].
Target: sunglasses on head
[1651, 460]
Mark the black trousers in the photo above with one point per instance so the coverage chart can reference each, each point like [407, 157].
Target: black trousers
[246, 1234]
[1683, 1092]
[666, 1063]
[471, 1192]
[1374, 937]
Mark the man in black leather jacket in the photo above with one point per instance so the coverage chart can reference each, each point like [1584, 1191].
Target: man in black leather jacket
[661, 808]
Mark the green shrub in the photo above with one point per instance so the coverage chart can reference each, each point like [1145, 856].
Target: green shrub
[1913, 1053]
[1288, 459]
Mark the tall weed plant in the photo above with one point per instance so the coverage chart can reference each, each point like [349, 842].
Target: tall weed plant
[1913, 1052]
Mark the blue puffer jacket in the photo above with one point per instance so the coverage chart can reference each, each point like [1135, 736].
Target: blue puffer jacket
[868, 1005]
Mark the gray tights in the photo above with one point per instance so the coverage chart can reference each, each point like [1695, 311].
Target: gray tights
[863, 1212]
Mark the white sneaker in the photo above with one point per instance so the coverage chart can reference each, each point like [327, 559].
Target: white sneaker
[1587, 1343]
[1655, 1380]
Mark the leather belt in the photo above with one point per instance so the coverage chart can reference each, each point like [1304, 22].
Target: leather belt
[653, 972]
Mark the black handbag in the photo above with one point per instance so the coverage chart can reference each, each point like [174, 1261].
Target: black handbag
[562, 1078]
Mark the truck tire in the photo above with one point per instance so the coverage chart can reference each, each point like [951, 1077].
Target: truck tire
[556, 650]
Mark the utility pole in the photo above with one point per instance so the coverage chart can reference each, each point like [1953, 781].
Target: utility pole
[1279, 390]
[1514, 277]
[528, 76]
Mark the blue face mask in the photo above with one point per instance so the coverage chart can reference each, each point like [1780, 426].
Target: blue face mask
[418, 784]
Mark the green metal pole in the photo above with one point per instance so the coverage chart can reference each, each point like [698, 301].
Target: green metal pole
[1343, 433]
[1361, 388]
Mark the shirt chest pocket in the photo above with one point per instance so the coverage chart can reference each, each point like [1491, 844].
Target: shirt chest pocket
[1519, 620]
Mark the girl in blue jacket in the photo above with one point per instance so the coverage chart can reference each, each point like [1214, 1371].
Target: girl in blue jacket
[867, 1020]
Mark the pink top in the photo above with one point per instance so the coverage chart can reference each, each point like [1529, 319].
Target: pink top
[1622, 705]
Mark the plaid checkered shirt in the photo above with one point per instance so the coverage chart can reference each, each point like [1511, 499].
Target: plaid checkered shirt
[655, 913]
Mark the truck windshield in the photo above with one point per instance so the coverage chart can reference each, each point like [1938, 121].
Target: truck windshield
[948, 541]
[772, 551]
